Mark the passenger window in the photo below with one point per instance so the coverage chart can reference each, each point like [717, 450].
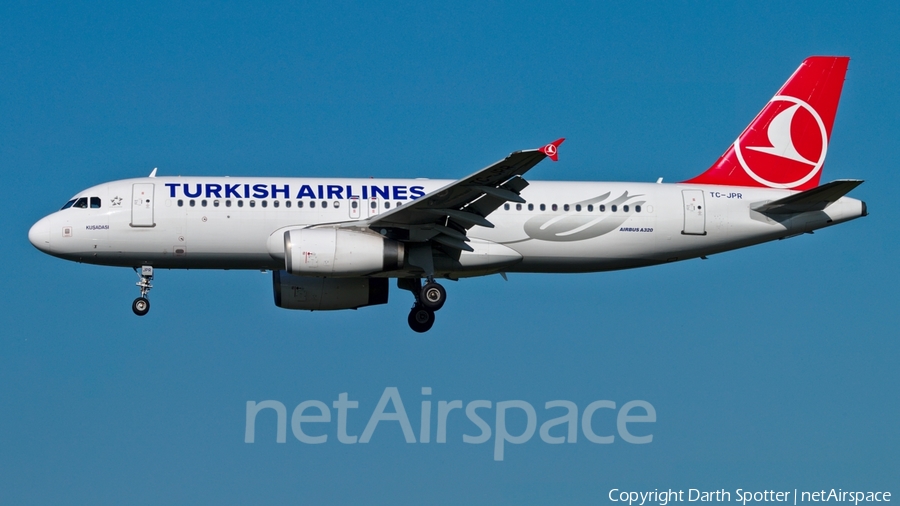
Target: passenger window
[387, 205]
[325, 204]
[506, 207]
[337, 204]
[612, 208]
[565, 207]
[252, 203]
[81, 203]
[625, 208]
[312, 204]
[602, 208]
[193, 203]
[299, 204]
[275, 204]
[354, 204]
[240, 203]
[215, 203]
[531, 207]
[518, 207]
[180, 203]
[203, 203]
[287, 203]
[637, 209]
[578, 207]
[227, 203]
[543, 207]
[590, 208]
[373, 205]
[264, 203]
[553, 207]
[95, 202]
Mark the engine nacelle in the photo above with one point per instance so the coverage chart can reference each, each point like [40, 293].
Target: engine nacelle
[334, 252]
[321, 294]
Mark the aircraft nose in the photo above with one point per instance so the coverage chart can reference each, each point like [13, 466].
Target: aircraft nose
[39, 235]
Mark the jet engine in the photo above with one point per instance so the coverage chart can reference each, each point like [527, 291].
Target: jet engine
[320, 294]
[334, 252]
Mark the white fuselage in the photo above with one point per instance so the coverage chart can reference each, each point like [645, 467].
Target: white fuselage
[226, 223]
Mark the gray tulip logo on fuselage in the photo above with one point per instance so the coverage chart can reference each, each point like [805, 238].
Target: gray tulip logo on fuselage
[580, 225]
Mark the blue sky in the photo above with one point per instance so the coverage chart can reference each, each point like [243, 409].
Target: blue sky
[772, 367]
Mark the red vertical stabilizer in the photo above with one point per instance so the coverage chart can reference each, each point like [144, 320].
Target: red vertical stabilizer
[785, 145]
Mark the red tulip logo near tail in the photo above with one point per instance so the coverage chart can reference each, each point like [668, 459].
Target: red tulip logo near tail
[785, 145]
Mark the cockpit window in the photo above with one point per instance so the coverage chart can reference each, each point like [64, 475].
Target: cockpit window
[81, 203]
[68, 204]
[95, 202]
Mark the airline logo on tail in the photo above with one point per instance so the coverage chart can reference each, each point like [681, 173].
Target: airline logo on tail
[785, 145]
[793, 146]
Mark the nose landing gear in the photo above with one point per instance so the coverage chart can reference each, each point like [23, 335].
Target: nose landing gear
[429, 299]
[141, 305]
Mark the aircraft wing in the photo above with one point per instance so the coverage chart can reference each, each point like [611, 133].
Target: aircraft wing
[445, 214]
[815, 199]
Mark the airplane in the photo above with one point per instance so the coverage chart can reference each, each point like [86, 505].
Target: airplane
[335, 243]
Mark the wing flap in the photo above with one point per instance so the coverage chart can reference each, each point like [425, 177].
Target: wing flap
[464, 218]
[453, 243]
[501, 193]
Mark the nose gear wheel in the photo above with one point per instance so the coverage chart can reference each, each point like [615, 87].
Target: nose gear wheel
[141, 305]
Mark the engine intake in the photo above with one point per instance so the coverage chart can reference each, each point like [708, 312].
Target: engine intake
[321, 294]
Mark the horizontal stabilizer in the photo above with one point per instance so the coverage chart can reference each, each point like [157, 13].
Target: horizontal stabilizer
[811, 200]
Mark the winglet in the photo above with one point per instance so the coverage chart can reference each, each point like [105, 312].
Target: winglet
[552, 149]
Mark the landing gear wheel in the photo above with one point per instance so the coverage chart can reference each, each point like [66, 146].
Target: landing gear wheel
[140, 306]
[433, 296]
[420, 319]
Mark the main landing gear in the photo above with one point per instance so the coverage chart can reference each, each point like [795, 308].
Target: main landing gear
[429, 298]
[420, 319]
[141, 305]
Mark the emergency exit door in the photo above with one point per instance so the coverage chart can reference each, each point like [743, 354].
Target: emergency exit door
[142, 205]
[374, 206]
[354, 208]
[694, 212]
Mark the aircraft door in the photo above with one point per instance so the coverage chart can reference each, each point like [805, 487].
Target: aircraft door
[374, 206]
[354, 208]
[142, 205]
[694, 212]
